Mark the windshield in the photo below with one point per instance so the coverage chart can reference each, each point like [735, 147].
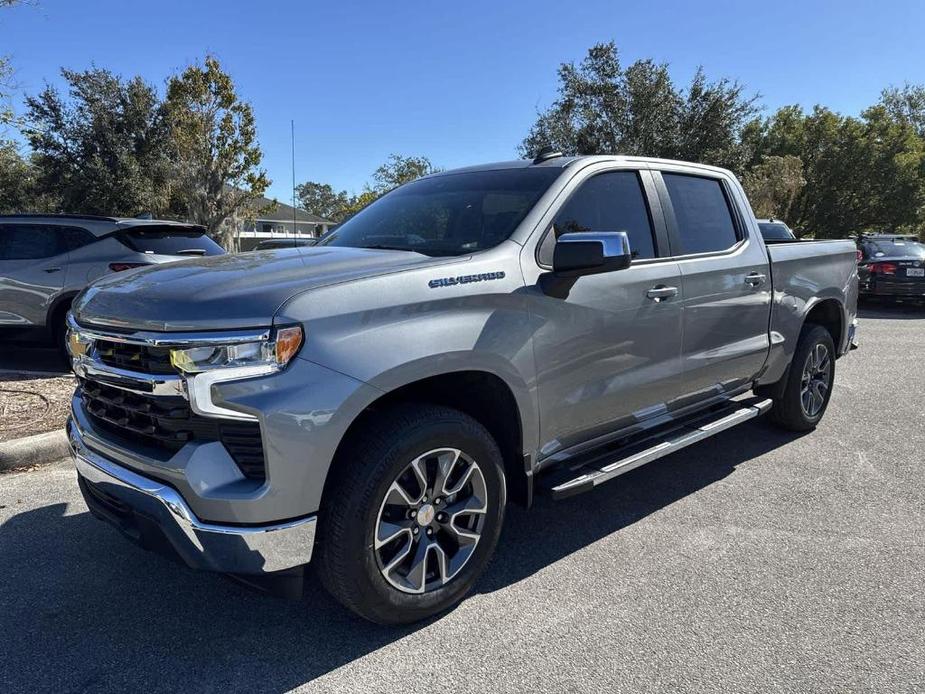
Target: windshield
[775, 231]
[452, 214]
[893, 249]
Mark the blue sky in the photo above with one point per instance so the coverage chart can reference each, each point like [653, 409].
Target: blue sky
[458, 82]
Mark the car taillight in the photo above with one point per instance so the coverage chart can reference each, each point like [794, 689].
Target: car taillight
[860, 256]
[883, 268]
[119, 267]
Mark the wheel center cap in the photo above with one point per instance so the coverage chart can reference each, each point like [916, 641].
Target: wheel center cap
[426, 514]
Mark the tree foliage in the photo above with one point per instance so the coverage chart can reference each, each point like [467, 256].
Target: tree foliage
[398, 170]
[16, 180]
[214, 149]
[321, 199]
[603, 108]
[774, 184]
[101, 150]
[862, 173]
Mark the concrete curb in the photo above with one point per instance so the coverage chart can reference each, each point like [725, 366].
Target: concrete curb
[34, 450]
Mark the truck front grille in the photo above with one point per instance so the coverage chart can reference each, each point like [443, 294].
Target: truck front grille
[169, 423]
[133, 357]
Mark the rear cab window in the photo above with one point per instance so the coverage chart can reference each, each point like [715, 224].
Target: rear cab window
[608, 201]
[169, 240]
[705, 221]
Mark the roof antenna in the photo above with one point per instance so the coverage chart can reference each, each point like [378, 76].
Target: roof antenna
[546, 153]
[292, 133]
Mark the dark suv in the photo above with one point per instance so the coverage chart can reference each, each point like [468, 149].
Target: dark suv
[46, 260]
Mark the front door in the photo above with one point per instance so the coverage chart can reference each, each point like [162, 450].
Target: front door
[607, 346]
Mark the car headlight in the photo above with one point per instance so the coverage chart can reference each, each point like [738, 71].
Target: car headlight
[274, 353]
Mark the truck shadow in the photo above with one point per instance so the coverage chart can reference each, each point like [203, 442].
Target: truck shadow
[85, 610]
[552, 530]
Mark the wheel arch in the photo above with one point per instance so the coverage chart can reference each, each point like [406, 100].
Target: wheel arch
[827, 312]
[830, 314]
[483, 395]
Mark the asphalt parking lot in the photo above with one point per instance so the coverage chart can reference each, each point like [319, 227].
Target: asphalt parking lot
[755, 561]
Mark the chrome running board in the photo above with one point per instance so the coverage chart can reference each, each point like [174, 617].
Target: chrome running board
[577, 476]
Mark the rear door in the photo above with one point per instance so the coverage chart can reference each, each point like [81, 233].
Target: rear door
[32, 267]
[726, 283]
[607, 347]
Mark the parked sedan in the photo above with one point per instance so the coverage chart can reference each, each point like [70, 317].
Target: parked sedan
[892, 267]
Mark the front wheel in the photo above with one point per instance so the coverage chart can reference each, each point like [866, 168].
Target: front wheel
[413, 515]
[809, 381]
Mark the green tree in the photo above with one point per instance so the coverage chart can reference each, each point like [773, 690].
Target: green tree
[906, 104]
[17, 184]
[774, 185]
[216, 157]
[603, 108]
[322, 200]
[398, 170]
[102, 149]
[862, 174]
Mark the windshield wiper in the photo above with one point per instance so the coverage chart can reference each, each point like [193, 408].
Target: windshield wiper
[191, 251]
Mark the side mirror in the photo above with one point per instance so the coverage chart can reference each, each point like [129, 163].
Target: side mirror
[591, 252]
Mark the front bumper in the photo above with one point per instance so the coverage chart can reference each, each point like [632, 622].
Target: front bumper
[155, 515]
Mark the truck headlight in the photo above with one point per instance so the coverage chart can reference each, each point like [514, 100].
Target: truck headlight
[274, 353]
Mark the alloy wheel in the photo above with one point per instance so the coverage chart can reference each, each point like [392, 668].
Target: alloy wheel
[816, 380]
[430, 520]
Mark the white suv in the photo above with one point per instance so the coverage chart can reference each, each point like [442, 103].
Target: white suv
[46, 260]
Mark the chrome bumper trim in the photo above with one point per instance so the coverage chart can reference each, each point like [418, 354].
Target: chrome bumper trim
[150, 384]
[202, 545]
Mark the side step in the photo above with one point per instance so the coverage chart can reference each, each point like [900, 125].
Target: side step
[588, 472]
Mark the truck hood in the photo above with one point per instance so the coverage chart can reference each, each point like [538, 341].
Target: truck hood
[228, 291]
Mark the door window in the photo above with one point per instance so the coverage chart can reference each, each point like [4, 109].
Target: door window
[612, 201]
[702, 212]
[32, 241]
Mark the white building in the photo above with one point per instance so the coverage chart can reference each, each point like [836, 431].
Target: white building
[279, 223]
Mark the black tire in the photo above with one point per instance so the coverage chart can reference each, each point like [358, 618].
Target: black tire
[789, 410]
[348, 563]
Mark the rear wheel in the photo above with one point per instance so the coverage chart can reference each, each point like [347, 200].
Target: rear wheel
[809, 381]
[413, 516]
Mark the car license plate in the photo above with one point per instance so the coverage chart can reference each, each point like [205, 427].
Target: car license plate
[915, 272]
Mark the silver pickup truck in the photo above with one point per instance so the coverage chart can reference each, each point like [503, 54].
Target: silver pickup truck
[372, 403]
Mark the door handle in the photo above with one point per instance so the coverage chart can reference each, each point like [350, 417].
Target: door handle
[661, 292]
[52, 269]
[755, 279]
